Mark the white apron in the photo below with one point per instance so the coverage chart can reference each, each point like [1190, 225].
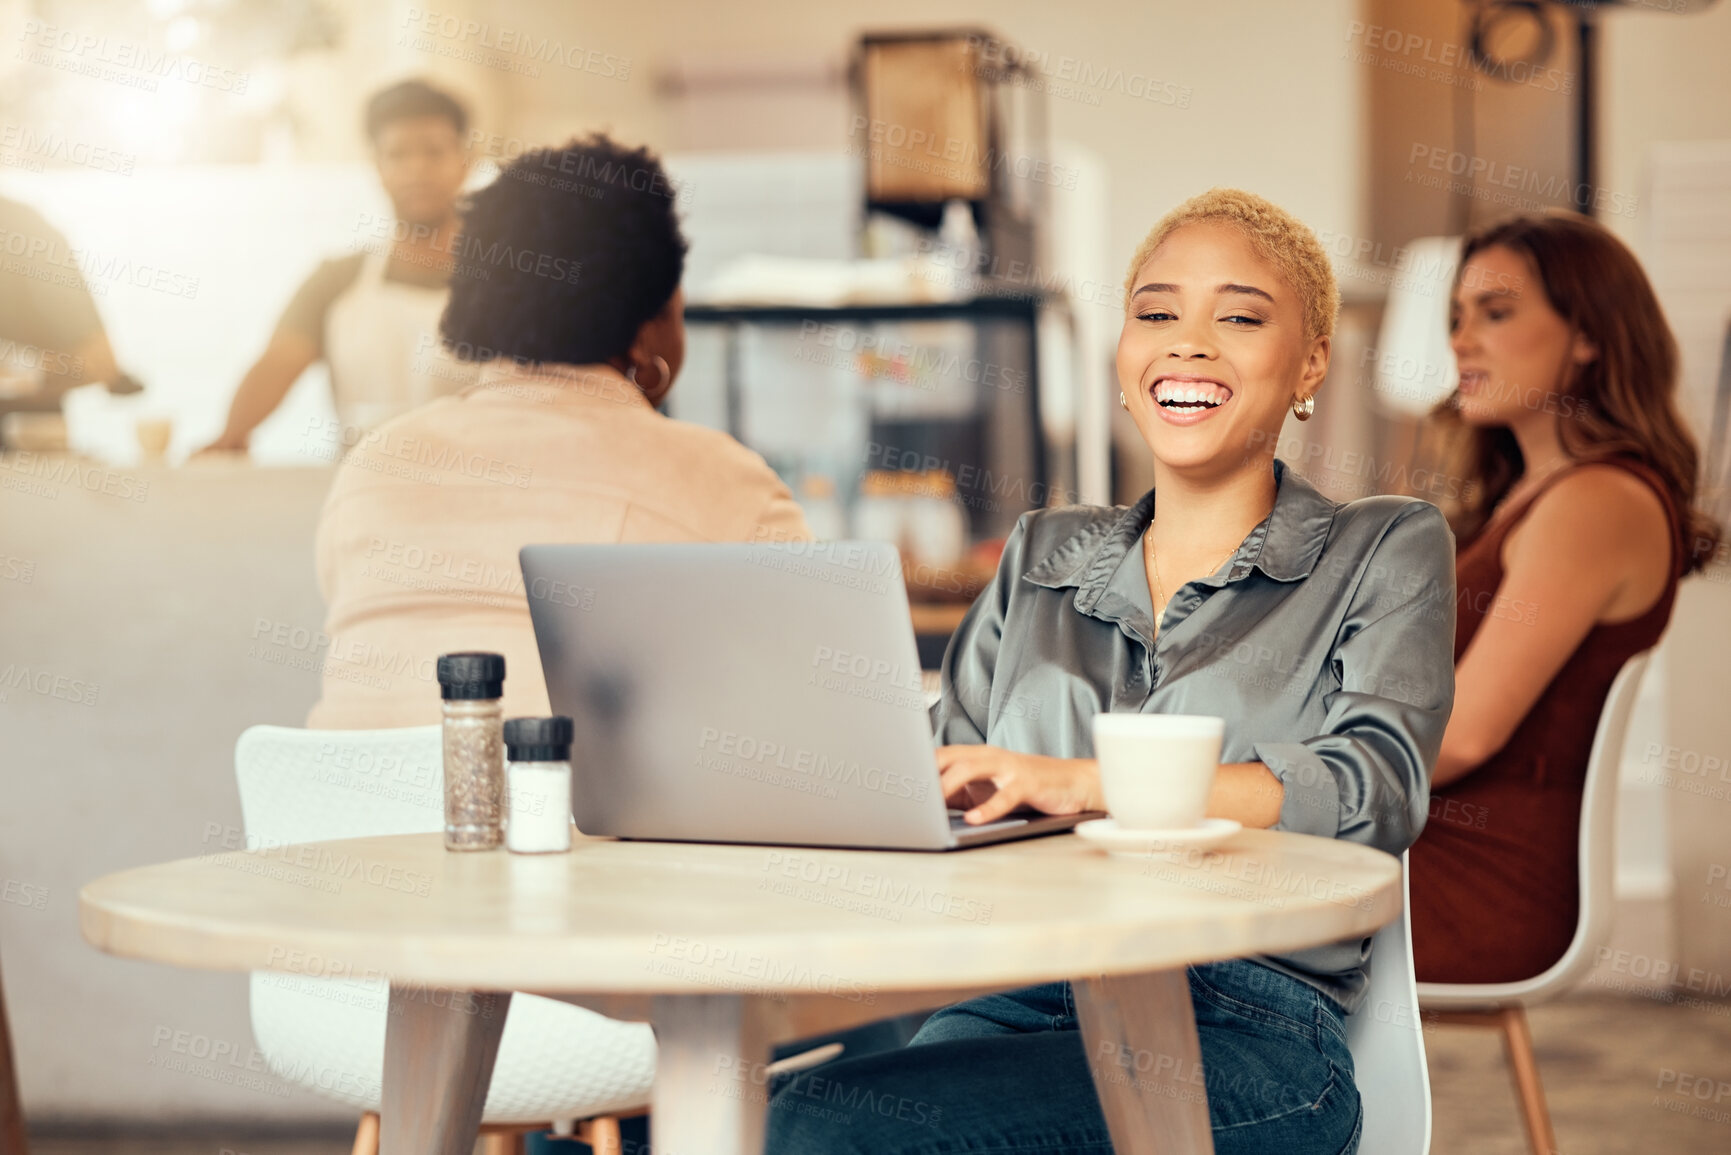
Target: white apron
[382, 345]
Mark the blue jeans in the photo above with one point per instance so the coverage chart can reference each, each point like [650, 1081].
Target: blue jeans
[1008, 1073]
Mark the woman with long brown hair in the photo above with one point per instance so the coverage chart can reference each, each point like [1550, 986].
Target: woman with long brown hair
[1579, 479]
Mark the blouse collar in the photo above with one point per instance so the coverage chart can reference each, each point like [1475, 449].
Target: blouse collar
[1285, 545]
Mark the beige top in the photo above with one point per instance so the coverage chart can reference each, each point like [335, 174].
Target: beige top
[684, 917]
[417, 545]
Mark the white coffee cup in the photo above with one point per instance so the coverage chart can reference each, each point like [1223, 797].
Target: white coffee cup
[1156, 769]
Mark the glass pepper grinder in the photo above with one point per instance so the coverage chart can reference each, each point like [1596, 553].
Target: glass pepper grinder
[538, 753]
[470, 685]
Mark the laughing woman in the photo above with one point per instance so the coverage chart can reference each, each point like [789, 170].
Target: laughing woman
[1331, 723]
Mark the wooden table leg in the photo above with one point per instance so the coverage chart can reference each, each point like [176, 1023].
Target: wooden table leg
[1140, 1035]
[439, 1052]
[711, 1074]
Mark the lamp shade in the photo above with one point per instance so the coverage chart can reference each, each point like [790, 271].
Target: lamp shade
[1414, 368]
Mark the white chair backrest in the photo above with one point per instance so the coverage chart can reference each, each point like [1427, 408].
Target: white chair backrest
[1596, 864]
[318, 785]
[1598, 837]
[556, 1061]
[1387, 1041]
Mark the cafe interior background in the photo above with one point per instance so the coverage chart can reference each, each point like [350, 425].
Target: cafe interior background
[857, 313]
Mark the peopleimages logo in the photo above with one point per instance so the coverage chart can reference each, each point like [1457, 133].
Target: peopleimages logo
[1071, 77]
[497, 45]
[43, 255]
[727, 751]
[39, 148]
[1414, 50]
[964, 154]
[1484, 178]
[687, 958]
[828, 875]
[48, 684]
[135, 65]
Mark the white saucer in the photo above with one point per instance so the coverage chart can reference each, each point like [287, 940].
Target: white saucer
[1114, 839]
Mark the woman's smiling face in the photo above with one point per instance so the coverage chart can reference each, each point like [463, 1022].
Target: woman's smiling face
[1214, 350]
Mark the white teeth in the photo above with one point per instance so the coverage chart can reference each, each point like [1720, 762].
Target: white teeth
[1187, 393]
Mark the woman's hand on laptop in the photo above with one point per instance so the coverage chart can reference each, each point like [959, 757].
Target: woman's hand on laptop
[1050, 785]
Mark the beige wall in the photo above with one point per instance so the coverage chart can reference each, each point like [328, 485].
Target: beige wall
[1269, 105]
[1667, 77]
[1666, 80]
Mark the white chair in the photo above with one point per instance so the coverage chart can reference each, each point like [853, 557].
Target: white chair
[1386, 1037]
[1503, 1005]
[557, 1063]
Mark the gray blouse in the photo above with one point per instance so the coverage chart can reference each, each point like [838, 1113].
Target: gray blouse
[1326, 643]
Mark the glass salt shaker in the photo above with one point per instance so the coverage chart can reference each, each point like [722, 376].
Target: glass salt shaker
[470, 685]
[538, 753]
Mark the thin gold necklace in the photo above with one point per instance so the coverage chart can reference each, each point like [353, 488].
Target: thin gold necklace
[1154, 567]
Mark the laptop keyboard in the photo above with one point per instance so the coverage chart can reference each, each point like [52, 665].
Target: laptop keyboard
[957, 822]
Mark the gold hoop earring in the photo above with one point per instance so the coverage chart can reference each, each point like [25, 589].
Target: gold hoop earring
[1302, 408]
[1122, 404]
[662, 372]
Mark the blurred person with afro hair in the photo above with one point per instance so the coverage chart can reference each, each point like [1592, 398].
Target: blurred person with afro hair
[566, 293]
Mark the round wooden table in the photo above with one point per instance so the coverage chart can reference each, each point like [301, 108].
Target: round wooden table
[728, 950]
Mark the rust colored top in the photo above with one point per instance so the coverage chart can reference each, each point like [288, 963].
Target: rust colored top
[1495, 883]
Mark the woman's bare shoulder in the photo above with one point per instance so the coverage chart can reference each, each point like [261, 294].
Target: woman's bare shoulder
[1605, 502]
[1605, 520]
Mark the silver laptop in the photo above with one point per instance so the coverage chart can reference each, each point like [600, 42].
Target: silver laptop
[746, 693]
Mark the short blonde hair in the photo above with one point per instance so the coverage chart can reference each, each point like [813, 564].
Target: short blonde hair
[1277, 237]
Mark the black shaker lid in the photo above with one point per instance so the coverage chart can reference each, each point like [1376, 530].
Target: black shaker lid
[475, 676]
[538, 739]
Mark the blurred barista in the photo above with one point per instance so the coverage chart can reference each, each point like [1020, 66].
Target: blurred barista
[374, 316]
[51, 339]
